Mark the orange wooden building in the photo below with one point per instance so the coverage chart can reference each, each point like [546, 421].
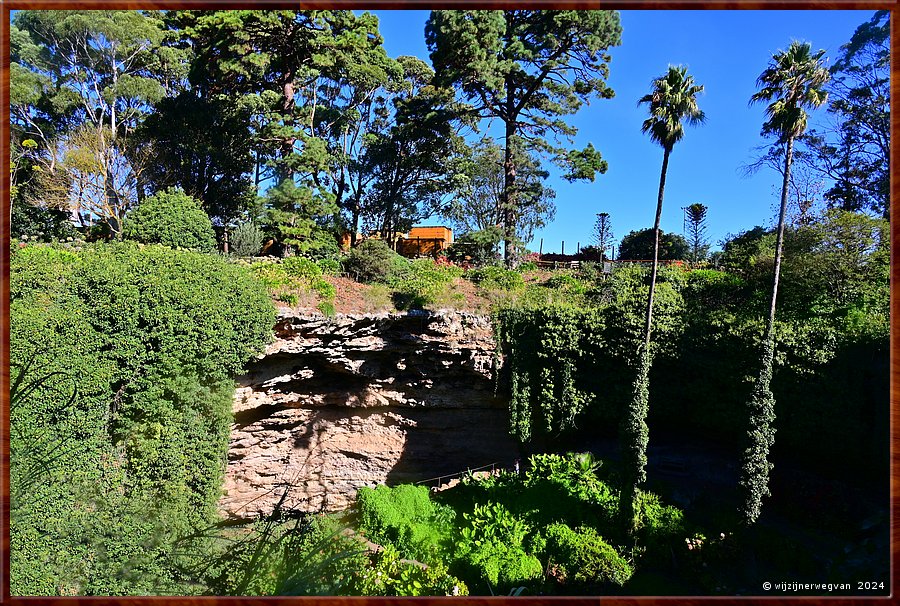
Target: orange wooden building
[425, 241]
[419, 242]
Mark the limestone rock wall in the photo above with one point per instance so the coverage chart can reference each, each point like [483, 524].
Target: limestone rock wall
[339, 403]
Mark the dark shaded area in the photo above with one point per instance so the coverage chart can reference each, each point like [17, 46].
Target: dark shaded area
[451, 441]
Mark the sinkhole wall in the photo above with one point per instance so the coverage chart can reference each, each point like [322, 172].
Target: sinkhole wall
[335, 404]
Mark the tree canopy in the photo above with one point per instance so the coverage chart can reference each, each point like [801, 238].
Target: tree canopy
[638, 245]
[528, 69]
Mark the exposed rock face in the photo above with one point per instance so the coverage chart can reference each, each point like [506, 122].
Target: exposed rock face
[339, 403]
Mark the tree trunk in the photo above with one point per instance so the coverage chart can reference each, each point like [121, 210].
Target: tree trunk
[755, 465]
[354, 226]
[287, 109]
[779, 242]
[654, 270]
[636, 434]
[509, 198]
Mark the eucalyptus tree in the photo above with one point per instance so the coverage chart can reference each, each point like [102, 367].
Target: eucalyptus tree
[353, 104]
[528, 69]
[412, 151]
[81, 82]
[792, 83]
[854, 149]
[672, 102]
[478, 205]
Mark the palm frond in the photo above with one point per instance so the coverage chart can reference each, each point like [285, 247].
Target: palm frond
[673, 101]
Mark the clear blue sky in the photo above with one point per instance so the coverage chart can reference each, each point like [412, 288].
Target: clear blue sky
[725, 51]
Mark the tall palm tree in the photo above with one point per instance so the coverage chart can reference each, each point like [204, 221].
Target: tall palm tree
[673, 101]
[792, 82]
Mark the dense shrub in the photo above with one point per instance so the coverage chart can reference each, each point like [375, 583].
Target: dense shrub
[406, 517]
[321, 244]
[492, 277]
[331, 267]
[660, 525]
[246, 240]
[566, 283]
[582, 557]
[123, 361]
[423, 282]
[289, 279]
[35, 223]
[373, 261]
[491, 547]
[171, 218]
[387, 574]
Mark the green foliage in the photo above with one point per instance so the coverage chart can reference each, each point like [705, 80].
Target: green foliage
[373, 261]
[755, 465]
[566, 488]
[582, 557]
[171, 218]
[422, 282]
[389, 575]
[638, 245]
[276, 556]
[566, 283]
[246, 240]
[496, 278]
[478, 247]
[830, 361]
[405, 517]
[123, 359]
[635, 436]
[289, 279]
[546, 350]
[321, 246]
[491, 547]
[329, 266]
[659, 526]
[492, 531]
[742, 251]
[39, 224]
[295, 213]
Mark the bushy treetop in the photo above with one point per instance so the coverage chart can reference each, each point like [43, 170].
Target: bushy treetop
[171, 218]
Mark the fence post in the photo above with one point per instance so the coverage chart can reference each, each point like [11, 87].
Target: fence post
[541, 249]
[563, 247]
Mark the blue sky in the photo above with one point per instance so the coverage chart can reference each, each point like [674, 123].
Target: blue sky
[725, 51]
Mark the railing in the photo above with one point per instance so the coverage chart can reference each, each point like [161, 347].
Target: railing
[558, 264]
[458, 474]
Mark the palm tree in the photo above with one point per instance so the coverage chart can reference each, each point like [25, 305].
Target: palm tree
[792, 82]
[673, 101]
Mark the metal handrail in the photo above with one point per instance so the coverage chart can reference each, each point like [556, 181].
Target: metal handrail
[458, 474]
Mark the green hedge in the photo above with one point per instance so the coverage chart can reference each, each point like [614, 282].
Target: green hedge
[122, 359]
